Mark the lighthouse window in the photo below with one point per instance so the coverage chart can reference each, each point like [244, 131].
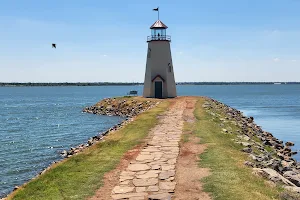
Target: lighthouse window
[149, 53]
[170, 67]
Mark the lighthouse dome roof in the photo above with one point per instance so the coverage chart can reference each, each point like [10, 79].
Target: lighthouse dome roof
[158, 24]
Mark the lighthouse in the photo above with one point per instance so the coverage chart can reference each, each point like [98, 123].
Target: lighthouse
[159, 79]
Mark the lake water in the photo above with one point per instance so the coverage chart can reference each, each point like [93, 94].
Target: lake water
[36, 123]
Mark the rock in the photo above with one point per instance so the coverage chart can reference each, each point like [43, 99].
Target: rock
[246, 144]
[127, 182]
[153, 188]
[224, 130]
[294, 153]
[144, 182]
[149, 174]
[127, 173]
[293, 177]
[122, 190]
[138, 167]
[172, 161]
[64, 153]
[140, 189]
[287, 149]
[253, 157]
[287, 163]
[288, 195]
[246, 138]
[160, 196]
[250, 120]
[272, 175]
[15, 188]
[169, 186]
[280, 155]
[249, 164]
[289, 144]
[90, 142]
[278, 146]
[129, 195]
[293, 189]
[155, 167]
[124, 178]
[167, 167]
[144, 157]
[166, 174]
[247, 150]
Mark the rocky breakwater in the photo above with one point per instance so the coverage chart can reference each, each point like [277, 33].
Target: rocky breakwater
[268, 156]
[123, 107]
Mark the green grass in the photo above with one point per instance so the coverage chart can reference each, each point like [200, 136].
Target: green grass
[229, 178]
[81, 175]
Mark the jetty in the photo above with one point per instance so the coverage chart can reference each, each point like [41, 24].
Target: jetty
[179, 148]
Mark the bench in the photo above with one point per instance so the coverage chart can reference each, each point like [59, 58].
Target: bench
[132, 92]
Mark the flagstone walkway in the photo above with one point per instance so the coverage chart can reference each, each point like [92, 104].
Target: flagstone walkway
[152, 174]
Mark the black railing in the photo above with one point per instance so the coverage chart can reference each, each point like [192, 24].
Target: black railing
[157, 38]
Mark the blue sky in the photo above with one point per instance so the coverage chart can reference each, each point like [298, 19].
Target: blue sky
[215, 40]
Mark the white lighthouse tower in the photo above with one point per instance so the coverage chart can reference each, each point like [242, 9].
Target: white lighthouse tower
[159, 77]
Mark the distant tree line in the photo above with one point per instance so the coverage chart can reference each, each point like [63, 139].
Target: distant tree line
[29, 84]
[68, 84]
[234, 83]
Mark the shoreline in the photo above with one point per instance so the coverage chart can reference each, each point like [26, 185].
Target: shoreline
[279, 158]
[268, 156]
[127, 114]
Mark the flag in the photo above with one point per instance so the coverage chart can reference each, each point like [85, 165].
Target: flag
[54, 46]
[155, 9]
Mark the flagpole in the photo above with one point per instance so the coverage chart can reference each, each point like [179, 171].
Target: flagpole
[158, 12]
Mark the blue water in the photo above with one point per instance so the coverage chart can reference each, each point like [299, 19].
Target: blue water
[36, 123]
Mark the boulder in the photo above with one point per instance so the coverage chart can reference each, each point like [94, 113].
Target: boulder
[272, 175]
[247, 150]
[293, 177]
[293, 189]
[289, 144]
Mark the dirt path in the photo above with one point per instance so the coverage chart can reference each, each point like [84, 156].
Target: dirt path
[154, 170]
[188, 173]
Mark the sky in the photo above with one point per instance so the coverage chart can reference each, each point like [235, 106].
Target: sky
[99, 41]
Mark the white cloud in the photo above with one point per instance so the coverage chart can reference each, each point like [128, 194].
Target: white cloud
[276, 59]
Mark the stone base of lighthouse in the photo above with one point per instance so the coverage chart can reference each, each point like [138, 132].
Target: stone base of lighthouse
[159, 77]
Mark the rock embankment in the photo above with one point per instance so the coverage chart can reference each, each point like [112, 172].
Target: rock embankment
[268, 156]
[124, 107]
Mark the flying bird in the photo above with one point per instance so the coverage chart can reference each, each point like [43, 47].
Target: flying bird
[54, 46]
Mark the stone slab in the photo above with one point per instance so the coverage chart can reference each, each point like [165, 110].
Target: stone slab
[122, 189]
[138, 167]
[144, 182]
[128, 195]
[169, 186]
[160, 196]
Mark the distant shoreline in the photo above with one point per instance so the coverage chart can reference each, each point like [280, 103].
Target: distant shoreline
[16, 84]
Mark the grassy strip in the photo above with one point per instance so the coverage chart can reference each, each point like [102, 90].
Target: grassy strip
[81, 175]
[230, 179]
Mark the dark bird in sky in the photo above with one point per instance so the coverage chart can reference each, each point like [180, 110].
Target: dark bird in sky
[54, 46]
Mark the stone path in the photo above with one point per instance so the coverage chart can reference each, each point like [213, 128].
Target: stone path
[152, 174]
